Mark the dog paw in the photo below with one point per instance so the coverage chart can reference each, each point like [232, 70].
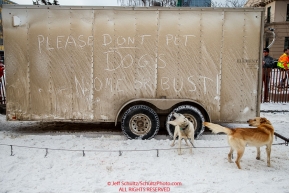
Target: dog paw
[172, 145]
[258, 158]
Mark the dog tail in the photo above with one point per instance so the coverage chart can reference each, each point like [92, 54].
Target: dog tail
[218, 128]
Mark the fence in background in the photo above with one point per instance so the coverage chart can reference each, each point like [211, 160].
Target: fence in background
[2, 90]
[275, 87]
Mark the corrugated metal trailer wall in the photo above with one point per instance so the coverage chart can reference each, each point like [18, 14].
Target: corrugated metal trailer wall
[86, 62]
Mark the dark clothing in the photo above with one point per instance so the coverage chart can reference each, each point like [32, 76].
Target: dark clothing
[269, 62]
[266, 71]
[266, 83]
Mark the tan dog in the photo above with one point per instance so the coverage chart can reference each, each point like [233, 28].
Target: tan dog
[184, 129]
[238, 138]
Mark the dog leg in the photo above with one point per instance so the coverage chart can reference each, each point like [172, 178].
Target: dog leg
[192, 142]
[268, 150]
[191, 146]
[173, 143]
[258, 153]
[186, 141]
[175, 136]
[240, 153]
[180, 143]
[230, 155]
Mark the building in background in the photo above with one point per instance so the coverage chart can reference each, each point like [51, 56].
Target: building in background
[194, 3]
[1, 29]
[276, 17]
[165, 3]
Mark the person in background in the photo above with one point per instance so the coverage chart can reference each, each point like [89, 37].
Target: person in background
[1, 69]
[268, 63]
[282, 64]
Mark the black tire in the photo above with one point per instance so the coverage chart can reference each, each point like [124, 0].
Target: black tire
[193, 114]
[140, 122]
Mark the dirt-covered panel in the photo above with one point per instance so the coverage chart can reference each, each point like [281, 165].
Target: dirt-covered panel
[232, 83]
[169, 85]
[250, 63]
[81, 65]
[208, 70]
[39, 59]
[190, 43]
[114, 61]
[125, 55]
[17, 63]
[57, 42]
[103, 61]
[146, 54]
[240, 66]
[252, 50]
[125, 46]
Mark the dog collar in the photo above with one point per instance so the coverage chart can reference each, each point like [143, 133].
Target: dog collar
[184, 128]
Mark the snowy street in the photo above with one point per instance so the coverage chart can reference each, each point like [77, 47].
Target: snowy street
[104, 162]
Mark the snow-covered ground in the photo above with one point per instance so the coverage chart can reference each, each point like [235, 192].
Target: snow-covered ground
[55, 163]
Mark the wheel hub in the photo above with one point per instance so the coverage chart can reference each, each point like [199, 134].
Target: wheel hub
[192, 119]
[140, 124]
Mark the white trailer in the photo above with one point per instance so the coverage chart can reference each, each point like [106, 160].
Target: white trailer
[133, 65]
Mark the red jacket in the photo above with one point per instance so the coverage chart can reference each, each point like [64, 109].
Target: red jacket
[1, 70]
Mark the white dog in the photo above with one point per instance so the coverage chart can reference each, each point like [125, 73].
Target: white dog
[184, 129]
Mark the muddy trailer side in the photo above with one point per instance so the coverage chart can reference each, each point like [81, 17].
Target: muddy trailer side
[132, 65]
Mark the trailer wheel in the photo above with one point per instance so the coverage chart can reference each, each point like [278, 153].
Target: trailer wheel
[140, 122]
[193, 114]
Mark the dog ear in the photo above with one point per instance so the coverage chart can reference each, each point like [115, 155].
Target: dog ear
[263, 120]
